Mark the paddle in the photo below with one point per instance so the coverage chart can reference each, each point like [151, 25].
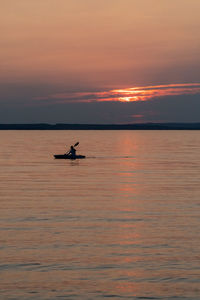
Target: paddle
[76, 144]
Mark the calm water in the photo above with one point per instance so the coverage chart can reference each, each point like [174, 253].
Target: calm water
[122, 224]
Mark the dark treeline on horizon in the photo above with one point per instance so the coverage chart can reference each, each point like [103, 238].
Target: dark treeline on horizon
[141, 126]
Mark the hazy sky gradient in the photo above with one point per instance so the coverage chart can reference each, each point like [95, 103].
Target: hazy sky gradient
[50, 47]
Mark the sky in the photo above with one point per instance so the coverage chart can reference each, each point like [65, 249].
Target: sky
[91, 61]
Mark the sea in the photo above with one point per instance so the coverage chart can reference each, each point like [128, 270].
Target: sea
[123, 223]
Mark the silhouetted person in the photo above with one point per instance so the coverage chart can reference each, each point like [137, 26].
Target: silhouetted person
[72, 151]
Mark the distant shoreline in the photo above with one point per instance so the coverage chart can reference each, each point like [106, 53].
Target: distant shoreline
[141, 126]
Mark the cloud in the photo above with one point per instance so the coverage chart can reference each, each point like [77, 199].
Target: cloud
[181, 108]
[133, 94]
[156, 103]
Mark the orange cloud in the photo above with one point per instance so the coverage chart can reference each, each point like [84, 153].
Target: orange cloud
[148, 92]
[133, 94]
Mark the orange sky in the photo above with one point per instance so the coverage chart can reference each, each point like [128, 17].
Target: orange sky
[94, 40]
[86, 47]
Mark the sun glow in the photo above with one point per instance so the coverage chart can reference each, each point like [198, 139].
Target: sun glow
[148, 92]
[128, 95]
[128, 99]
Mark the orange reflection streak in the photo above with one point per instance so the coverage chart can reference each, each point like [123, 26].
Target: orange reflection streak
[133, 94]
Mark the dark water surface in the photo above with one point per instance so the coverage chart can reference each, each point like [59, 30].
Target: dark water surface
[122, 224]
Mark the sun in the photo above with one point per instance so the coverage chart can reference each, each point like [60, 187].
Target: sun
[128, 99]
[124, 99]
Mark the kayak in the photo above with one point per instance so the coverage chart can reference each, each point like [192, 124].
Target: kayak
[66, 156]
